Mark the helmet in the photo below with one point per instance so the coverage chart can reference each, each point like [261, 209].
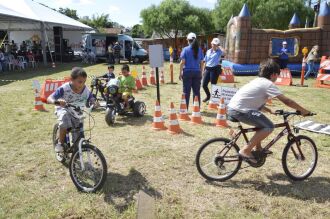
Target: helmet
[215, 41]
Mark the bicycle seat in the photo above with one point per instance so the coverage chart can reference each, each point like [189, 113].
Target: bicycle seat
[232, 119]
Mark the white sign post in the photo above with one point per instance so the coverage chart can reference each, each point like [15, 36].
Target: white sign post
[226, 92]
[156, 59]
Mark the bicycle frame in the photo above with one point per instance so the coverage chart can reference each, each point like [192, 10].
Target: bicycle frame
[286, 131]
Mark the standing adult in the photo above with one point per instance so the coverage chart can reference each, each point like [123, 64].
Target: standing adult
[128, 51]
[311, 59]
[110, 52]
[191, 66]
[284, 55]
[212, 67]
[117, 49]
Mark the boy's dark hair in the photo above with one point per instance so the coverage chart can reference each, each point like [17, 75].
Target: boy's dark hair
[78, 72]
[111, 66]
[268, 67]
[125, 67]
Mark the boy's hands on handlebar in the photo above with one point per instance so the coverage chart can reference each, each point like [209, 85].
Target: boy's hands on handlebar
[61, 102]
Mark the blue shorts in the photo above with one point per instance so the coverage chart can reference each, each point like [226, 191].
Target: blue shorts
[253, 117]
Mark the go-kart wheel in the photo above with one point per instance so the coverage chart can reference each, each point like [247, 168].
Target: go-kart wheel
[110, 115]
[139, 109]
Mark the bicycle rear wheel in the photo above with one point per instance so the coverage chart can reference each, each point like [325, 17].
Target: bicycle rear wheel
[299, 160]
[92, 177]
[217, 160]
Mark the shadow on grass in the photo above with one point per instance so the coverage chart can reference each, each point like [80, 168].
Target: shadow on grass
[119, 190]
[39, 71]
[313, 188]
[132, 120]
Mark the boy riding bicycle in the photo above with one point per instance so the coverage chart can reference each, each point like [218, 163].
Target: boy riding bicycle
[250, 100]
[76, 93]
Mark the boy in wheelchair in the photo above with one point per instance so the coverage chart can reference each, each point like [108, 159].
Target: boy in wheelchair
[126, 85]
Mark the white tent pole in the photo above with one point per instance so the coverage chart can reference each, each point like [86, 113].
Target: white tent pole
[43, 42]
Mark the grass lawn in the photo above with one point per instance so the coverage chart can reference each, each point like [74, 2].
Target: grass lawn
[34, 185]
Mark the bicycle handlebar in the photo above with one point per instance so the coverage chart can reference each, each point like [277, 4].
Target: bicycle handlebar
[286, 113]
[76, 108]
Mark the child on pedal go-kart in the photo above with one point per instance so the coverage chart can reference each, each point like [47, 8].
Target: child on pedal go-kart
[76, 93]
[126, 84]
[110, 74]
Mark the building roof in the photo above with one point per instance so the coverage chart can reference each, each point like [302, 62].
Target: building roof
[28, 15]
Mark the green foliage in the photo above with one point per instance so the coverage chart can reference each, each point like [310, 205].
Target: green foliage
[69, 12]
[273, 14]
[172, 17]
[137, 31]
[97, 21]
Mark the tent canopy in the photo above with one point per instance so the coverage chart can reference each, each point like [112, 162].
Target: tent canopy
[28, 15]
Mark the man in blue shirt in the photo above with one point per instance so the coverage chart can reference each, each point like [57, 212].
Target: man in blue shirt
[284, 55]
[191, 67]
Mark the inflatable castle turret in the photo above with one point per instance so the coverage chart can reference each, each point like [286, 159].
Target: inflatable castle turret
[295, 22]
[323, 21]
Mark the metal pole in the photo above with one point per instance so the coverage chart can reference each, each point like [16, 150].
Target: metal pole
[43, 42]
[157, 84]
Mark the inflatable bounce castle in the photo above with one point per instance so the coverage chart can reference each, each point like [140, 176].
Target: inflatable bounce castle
[247, 46]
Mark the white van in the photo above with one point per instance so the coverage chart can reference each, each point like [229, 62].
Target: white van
[98, 43]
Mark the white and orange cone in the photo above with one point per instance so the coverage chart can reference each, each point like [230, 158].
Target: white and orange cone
[152, 79]
[196, 114]
[158, 121]
[221, 120]
[183, 114]
[174, 127]
[162, 78]
[38, 105]
[212, 105]
[138, 83]
[144, 77]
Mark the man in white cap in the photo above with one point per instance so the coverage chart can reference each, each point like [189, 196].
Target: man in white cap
[191, 67]
[283, 55]
[212, 67]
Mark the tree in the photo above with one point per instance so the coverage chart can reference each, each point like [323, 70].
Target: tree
[69, 12]
[137, 31]
[97, 21]
[173, 17]
[265, 13]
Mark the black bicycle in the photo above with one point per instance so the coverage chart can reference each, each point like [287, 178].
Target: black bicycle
[88, 167]
[218, 160]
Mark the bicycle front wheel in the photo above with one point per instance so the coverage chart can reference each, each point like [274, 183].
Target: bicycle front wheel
[218, 160]
[88, 171]
[299, 158]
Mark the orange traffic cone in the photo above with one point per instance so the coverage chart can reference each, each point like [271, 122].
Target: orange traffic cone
[196, 114]
[212, 105]
[138, 83]
[183, 114]
[53, 65]
[174, 127]
[221, 120]
[37, 102]
[152, 79]
[144, 77]
[162, 78]
[158, 122]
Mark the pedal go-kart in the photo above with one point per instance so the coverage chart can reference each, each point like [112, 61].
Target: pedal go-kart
[114, 102]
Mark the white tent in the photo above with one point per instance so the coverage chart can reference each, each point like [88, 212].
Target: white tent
[30, 15]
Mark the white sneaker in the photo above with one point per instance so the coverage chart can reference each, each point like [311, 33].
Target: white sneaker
[59, 148]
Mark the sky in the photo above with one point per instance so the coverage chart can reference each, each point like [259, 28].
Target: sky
[124, 12]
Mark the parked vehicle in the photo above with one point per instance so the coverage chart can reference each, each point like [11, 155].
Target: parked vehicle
[98, 43]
